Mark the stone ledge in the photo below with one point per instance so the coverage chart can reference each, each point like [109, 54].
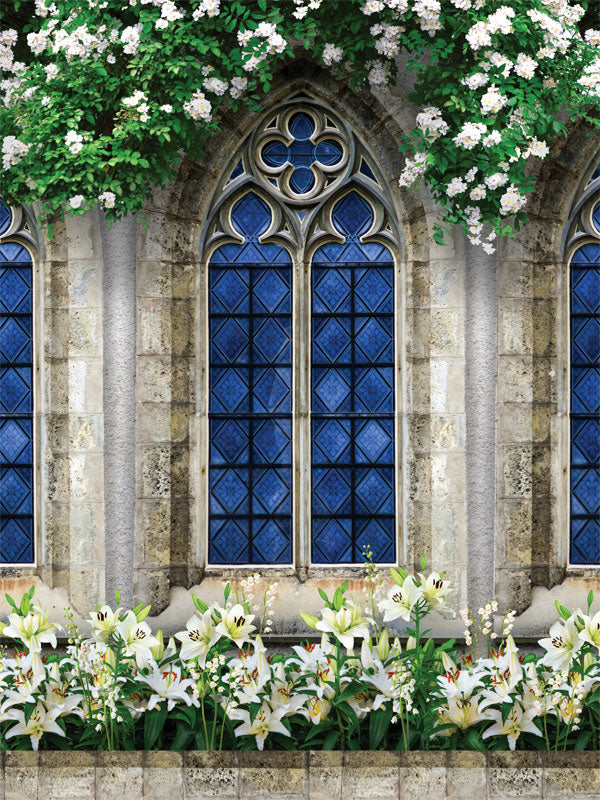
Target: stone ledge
[380, 775]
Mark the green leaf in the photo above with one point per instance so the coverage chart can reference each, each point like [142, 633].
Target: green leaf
[378, 726]
[590, 599]
[338, 599]
[330, 740]
[227, 592]
[564, 612]
[11, 602]
[474, 740]
[25, 605]
[506, 709]
[323, 596]
[153, 724]
[200, 604]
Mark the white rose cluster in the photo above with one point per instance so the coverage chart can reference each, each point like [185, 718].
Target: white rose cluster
[74, 141]
[511, 201]
[414, 168]
[139, 102]
[428, 13]
[525, 66]
[107, 199]
[331, 54]
[208, 8]
[476, 80]
[379, 73]
[432, 124]
[198, 107]
[480, 34]
[13, 150]
[130, 36]
[168, 13]
[470, 135]
[254, 56]
[493, 101]
[216, 86]
[238, 87]
[388, 43]
[8, 39]
[456, 186]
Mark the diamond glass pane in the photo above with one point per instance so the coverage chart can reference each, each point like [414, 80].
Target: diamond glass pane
[250, 305]
[352, 393]
[585, 405]
[16, 401]
[301, 153]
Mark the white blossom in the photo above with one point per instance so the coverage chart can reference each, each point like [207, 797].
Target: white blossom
[331, 54]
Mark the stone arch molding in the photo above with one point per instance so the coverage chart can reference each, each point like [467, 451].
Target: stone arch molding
[188, 221]
[301, 221]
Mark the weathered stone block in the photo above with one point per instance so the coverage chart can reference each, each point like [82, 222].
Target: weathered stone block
[519, 776]
[163, 775]
[20, 775]
[466, 775]
[367, 775]
[207, 775]
[422, 775]
[65, 775]
[325, 775]
[119, 775]
[273, 774]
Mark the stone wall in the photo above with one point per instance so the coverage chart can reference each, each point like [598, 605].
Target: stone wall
[299, 776]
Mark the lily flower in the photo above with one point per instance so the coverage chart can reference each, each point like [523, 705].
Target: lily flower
[434, 590]
[266, 721]
[562, 645]
[345, 624]
[167, 684]
[591, 630]
[236, 625]
[33, 630]
[401, 600]
[41, 721]
[316, 709]
[517, 722]
[199, 637]
[104, 622]
[138, 639]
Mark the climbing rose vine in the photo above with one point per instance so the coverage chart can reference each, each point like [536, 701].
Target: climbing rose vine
[114, 92]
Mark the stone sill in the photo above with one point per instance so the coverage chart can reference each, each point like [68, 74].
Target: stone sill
[53, 775]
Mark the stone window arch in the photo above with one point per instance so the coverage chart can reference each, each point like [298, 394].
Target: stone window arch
[18, 395]
[582, 249]
[298, 389]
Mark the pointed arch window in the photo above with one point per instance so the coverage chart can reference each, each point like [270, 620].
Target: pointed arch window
[583, 247]
[300, 418]
[16, 391]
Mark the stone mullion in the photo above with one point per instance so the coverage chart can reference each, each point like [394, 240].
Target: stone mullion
[301, 448]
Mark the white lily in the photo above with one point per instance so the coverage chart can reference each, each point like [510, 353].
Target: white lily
[591, 630]
[461, 712]
[199, 637]
[167, 684]
[517, 722]
[345, 624]
[104, 622]
[401, 600]
[266, 721]
[236, 625]
[563, 643]
[435, 590]
[138, 639]
[282, 693]
[41, 721]
[33, 630]
[316, 709]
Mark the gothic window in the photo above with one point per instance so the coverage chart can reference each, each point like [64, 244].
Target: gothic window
[584, 249]
[16, 391]
[301, 397]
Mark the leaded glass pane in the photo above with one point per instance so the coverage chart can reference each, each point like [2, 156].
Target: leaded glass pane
[585, 405]
[16, 400]
[250, 308]
[352, 393]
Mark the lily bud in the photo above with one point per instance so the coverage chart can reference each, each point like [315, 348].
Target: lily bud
[449, 665]
[366, 656]
[158, 649]
[109, 657]
[383, 645]
[511, 646]
[411, 643]
[141, 615]
[396, 646]
[309, 620]
[588, 660]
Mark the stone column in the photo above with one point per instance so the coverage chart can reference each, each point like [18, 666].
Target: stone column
[119, 245]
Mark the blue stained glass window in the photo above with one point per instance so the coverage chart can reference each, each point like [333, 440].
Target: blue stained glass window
[353, 493]
[16, 401]
[301, 153]
[250, 409]
[585, 405]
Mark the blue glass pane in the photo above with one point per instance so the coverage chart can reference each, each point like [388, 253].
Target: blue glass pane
[302, 153]
[250, 303]
[352, 393]
[585, 403]
[5, 218]
[16, 401]
[596, 216]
